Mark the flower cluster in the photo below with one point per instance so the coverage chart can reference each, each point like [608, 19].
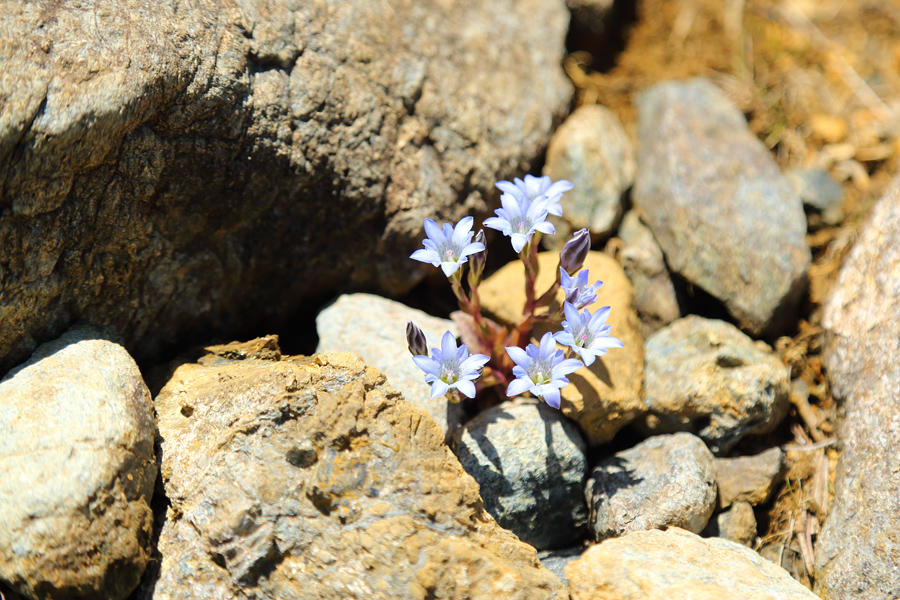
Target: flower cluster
[509, 359]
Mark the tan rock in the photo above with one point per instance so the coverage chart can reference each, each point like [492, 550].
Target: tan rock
[313, 478]
[677, 565]
[738, 524]
[749, 478]
[606, 396]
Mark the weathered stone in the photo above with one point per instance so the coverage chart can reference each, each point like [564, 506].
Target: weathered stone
[737, 524]
[706, 377]
[606, 396]
[749, 478]
[856, 554]
[556, 560]
[821, 196]
[169, 167]
[76, 471]
[313, 478]
[529, 462]
[718, 204]
[592, 150]
[374, 329]
[665, 481]
[643, 261]
[678, 565]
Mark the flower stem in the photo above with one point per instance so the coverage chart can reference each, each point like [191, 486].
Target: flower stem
[529, 259]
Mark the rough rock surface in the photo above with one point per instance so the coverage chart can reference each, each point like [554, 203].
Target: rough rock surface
[737, 524]
[313, 478]
[76, 470]
[706, 377]
[665, 481]
[556, 560]
[718, 204]
[749, 478]
[529, 462]
[374, 329]
[678, 565]
[171, 167]
[645, 265]
[592, 150]
[856, 555]
[821, 196]
[606, 396]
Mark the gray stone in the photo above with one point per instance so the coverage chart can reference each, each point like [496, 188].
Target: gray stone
[737, 524]
[856, 553]
[643, 261]
[556, 560]
[706, 377]
[749, 478]
[822, 196]
[171, 167]
[374, 329]
[76, 471]
[529, 461]
[665, 481]
[718, 204]
[310, 477]
[592, 150]
[678, 565]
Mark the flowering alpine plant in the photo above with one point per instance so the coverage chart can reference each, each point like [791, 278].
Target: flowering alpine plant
[504, 356]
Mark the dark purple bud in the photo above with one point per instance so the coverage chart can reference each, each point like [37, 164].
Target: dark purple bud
[575, 251]
[415, 339]
[477, 260]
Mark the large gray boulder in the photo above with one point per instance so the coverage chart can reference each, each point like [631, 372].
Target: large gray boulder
[171, 167]
[76, 471]
[856, 554]
[725, 216]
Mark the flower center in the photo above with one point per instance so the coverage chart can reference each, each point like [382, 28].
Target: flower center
[450, 374]
[541, 378]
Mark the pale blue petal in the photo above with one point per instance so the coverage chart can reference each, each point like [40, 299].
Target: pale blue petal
[518, 386]
[466, 387]
[587, 355]
[429, 365]
[570, 365]
[499, 224]
[551, 397]
[449, 267]
[545, 227]
[548, 345]
[473, 363]
[558, 188]
[507, 186]
[565, 338]
[433, 230]
[472, 249]
[462, 232]
[439, 388]
[448, 345]
[519, 356]
[519, 372]
[599, 318]
[426, 256]
[572, 316]
[429, 245]
[607, 342]
[518, 241]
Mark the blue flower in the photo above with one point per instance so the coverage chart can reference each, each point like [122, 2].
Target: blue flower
[533, 187]
[451, 367]
[588, 335]
[577, 290]
[520, 218]
[541, 370]
[447, 248]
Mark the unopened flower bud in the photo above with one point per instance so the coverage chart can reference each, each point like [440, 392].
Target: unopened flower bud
[477, 260]
[415, 340]
[575, 251]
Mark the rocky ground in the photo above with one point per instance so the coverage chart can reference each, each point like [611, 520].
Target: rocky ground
[174, 175]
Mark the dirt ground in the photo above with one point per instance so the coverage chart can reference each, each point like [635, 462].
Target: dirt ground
[819, 82]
